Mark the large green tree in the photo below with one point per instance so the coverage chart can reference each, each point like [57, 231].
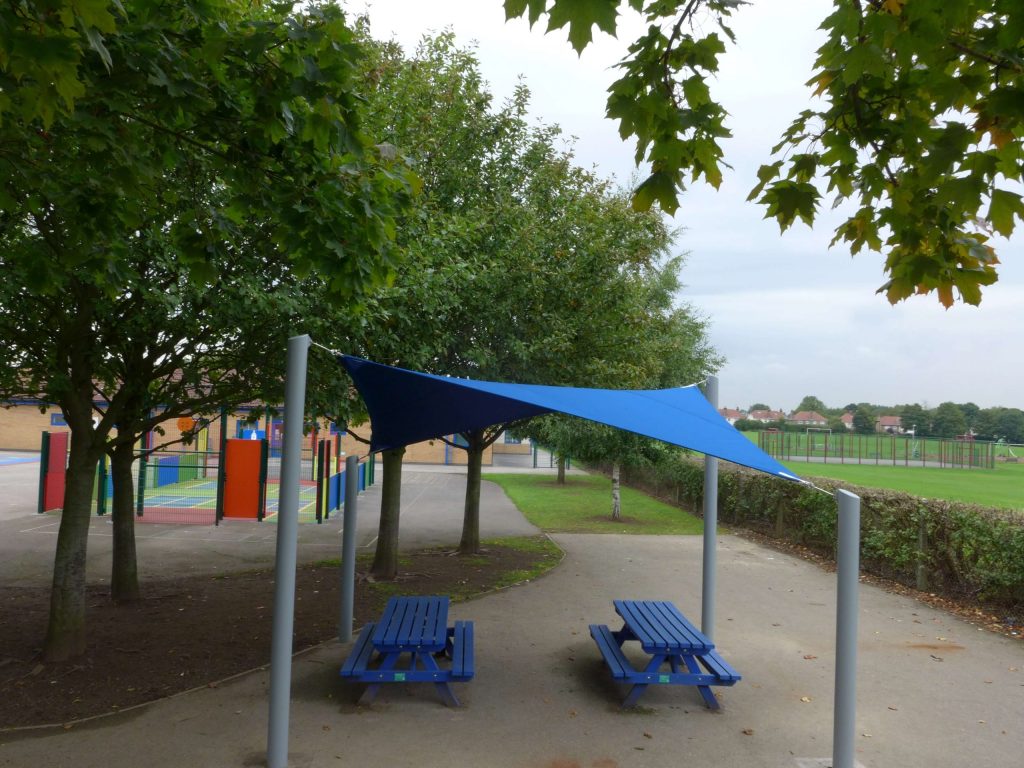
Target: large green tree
[920, 131]
[434, 107]
[812, 403]
[915, 417]
[864, 420]
[201, 132]
[582, 296]
[948, 420]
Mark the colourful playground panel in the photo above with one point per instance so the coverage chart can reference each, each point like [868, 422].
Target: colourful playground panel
[243, 486]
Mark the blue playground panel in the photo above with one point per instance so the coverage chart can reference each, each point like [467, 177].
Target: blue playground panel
[336, 487]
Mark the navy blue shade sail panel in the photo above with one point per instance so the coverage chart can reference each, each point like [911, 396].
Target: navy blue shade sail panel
[407, 407]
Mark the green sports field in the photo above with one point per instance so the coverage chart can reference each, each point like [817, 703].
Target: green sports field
[999, 487]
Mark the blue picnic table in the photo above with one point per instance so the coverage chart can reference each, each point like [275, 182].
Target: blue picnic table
[671, 641]
[417, 626]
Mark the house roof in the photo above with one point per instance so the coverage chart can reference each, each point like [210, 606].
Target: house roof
[731, 413]
[846, 418]
[761, 415]
[807, 416]
[890, 421]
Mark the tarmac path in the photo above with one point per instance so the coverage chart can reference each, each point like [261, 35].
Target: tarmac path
[933, 691]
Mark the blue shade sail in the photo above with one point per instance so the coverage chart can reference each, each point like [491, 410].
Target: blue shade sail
[407, 407]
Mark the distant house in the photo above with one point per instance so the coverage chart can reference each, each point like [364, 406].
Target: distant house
[808, 419]
[892, 425]
[766, 417]
[732, 415]
[847, 419]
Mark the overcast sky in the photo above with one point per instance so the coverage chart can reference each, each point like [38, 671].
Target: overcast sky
[792, 316]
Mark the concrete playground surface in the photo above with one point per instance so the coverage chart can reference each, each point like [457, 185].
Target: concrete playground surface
[933, 691]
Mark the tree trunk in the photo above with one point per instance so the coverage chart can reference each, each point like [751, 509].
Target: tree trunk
[561, 470]
[470, 543]
[65, 633]
[385, 560]
[616, 503]
[124, 572]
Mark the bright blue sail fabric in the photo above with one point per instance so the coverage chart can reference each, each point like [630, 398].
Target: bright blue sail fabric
[407, 406]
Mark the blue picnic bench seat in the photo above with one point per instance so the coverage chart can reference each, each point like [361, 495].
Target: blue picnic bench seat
[462, 651]
[414, 626]
[670, 638]
[358, 659]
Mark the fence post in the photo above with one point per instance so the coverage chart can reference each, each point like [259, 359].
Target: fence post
[140, 501]
[101, 486]
[319, 465]
[221, 476]
[44, 465]
[264, 456]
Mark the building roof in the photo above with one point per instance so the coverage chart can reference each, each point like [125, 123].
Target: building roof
[732, 413]
[890, 421]
[807, 416]
[767, 415]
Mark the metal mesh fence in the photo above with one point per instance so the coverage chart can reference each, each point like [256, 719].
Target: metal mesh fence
[905, 450]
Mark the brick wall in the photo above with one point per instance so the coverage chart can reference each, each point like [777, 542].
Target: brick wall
[21, 427]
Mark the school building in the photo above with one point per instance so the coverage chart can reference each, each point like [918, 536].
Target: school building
[22, 423]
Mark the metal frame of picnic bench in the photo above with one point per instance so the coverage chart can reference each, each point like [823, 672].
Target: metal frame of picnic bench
[670, 638]
[417, 626]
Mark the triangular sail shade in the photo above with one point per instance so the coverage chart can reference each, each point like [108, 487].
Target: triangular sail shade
[407, 406]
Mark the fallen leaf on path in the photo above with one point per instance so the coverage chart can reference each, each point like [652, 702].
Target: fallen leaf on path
[805, 699]
[748, 731]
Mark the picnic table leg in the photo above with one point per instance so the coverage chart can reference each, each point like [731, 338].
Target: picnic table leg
[389, 662]
[704, 690]
[443, 686]
[638, 688]
[634, 695]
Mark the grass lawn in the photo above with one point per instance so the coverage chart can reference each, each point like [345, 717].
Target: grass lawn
[583, 505]
[999, 487]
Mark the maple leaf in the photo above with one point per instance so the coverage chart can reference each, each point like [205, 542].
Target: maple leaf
[582, 16]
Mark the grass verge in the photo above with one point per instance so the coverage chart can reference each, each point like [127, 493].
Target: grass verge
[583, 505]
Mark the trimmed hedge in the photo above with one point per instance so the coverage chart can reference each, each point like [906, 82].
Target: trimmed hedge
[960, 550]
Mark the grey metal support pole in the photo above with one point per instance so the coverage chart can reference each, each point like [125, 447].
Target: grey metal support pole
[348, 549]
[847, 586]
[287, 538]
[707, 606]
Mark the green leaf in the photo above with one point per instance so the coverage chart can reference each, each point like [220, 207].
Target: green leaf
[787, 200]
[96, 13]
[1004, 207]
[658, 187]
[581, 16]
[516, 8]
[764, 174]
[92, 34]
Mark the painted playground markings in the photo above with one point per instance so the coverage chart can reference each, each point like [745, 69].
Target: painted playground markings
[7, 458]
